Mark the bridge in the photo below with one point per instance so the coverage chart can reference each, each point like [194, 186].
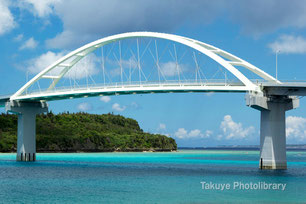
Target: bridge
[146, 63]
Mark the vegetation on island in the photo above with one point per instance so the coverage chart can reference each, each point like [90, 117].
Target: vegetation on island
[67, 132]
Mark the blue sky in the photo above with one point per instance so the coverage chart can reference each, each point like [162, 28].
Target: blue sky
[252, 30]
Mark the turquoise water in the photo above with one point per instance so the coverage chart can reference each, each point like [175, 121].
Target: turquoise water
[173, 177]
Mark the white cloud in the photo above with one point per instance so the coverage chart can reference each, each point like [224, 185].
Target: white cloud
[84, 107]
[38, 7]
[125, 64]
[289, 44]
[131, 62]
[7, 22]
[194, 133]
[233, 130]
[85, 67]
[66, 38]
[161, 127]
[296, 129]
[208, 133]
[43, 61]
[171, 68]
[18, 38]
[29, 44]
[117, 107]
[181, 133]
[105, 99]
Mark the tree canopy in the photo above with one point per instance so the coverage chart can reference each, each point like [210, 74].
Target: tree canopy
[67, 132]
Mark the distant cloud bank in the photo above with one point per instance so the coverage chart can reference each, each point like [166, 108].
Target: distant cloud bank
[255, 17]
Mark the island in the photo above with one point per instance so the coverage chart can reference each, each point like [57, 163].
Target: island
[83, 132]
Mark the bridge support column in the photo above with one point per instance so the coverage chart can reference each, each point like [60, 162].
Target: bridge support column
[272, 128]
[26, 130]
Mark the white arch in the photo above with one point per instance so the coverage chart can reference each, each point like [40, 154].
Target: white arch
[214, 53]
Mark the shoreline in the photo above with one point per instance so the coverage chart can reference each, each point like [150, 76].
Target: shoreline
[98, 151]
[152, 150]
[237, 148]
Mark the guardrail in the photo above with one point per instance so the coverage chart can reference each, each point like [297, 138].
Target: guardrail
[119, 85]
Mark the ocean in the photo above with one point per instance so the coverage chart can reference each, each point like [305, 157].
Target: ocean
[186, 176]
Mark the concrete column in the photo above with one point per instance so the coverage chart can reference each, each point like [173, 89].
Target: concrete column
[273, 137]
[272, 128]
[26, 131]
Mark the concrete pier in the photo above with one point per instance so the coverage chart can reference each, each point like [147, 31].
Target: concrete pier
[26, 131]
[272, 128]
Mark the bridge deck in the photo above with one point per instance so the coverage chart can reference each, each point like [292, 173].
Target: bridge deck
[286, 88]
[294, 88]
[140, 88]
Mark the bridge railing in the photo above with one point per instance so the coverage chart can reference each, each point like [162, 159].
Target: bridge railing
[186, 83]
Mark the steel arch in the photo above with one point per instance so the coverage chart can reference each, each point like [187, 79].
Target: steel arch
[222, 57]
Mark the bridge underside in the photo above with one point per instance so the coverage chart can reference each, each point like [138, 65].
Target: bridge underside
[286, 89]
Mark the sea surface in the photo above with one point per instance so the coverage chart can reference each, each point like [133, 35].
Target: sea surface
[146, 177]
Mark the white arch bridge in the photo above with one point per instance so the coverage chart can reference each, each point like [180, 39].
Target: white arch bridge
[148, 62]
